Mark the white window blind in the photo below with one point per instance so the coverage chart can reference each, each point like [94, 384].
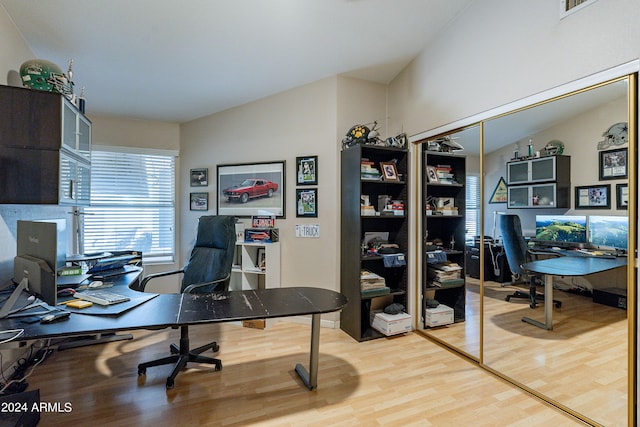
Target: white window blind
[132, 204]
[472, 214]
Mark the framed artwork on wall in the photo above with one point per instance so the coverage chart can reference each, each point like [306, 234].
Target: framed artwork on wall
[613, 164]
[622, 196]
[307, 202]
[199, 201]
[593, 197]
[199, 177]
[307, 170]
[249, 189]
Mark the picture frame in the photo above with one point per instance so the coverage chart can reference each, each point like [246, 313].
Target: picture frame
[499, 194]
[307, 202]
[307, 170]
[199, 201]
[261, 259]
[199, 177]
[593, 197]
[432, 175]
[622, 196]
[613, 164]
[249, 189]
[389, 171]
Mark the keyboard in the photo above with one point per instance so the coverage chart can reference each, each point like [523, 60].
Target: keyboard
[101, 297]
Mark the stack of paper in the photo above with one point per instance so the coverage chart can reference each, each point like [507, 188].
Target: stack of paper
[444, 275]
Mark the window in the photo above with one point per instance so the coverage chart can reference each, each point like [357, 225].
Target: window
[472, 219]
[132, 203]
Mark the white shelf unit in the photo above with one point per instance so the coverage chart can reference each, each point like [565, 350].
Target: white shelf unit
[246, 273]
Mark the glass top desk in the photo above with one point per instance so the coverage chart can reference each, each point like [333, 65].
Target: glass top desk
[566, 266]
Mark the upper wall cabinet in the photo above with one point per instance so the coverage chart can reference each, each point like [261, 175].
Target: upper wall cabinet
[46, 149]
[543, 182]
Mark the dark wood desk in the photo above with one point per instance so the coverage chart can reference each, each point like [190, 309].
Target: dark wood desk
[167, 310]
[566, 266]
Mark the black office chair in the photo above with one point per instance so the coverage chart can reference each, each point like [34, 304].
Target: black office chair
[208, 271]
[518, 254]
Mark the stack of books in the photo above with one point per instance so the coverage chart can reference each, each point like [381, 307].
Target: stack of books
[445, 174]
[368, 171]
[372, 285]
[445, 275]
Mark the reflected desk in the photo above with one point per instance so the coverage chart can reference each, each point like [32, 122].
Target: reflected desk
[168, 310]
[566, 266]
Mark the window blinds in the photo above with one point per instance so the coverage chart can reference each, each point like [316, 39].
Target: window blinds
[132, 204]
[472, 214]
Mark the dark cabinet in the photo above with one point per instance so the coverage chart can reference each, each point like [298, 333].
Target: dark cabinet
[45, 155]
[372, 208]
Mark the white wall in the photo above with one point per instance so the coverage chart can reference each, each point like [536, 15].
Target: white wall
[498, 52]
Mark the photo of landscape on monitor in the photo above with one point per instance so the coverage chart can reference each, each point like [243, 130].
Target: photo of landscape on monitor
[608, 231]
[570, 229]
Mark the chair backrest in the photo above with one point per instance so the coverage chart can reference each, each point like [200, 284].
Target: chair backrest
[212, 254]
[513, 242]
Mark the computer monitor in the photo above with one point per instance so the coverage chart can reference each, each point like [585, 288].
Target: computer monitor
[608, 232]
[561, 230]
[44, 240]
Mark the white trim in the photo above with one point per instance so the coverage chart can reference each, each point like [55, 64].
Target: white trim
[135, 150]
[603, 76]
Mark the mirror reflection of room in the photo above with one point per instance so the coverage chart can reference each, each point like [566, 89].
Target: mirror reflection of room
[565, 167]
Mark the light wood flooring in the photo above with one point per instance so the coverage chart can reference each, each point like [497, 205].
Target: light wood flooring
[403, 381]
[581, 363]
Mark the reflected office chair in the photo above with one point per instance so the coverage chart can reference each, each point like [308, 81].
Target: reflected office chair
[518, 254]
[208, 271]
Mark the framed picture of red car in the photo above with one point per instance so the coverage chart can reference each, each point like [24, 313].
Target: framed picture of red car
[249, 189]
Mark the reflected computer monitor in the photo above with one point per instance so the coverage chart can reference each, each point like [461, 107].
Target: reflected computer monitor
[561, 230]
[608, 232]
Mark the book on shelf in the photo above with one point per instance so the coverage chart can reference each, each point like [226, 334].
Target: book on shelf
[375, 292]
[369, 280]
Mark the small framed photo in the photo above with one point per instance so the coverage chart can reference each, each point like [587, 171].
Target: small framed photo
[199, 201]
[389, 171]
[307, 170]
[307, 202]
[262, 260]
[432, 175]
[593, 197]
[199, 177]
[613, 164]
[622, 196]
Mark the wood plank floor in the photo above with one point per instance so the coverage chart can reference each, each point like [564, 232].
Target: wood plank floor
[403, 381]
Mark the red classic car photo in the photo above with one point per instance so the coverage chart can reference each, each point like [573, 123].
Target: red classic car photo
[249, 189]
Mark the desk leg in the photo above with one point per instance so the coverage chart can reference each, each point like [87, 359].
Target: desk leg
[548, 306]
[310, 378]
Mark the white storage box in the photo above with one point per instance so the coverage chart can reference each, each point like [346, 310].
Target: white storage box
[438, 316]
[391, 324]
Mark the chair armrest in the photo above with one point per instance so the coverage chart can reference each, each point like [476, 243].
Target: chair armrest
[143, 283]
[189, 289]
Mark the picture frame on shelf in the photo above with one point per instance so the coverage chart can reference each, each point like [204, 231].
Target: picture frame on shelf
[432, 174]
[199, 201]
[389, 171]
[261, 261]
[593, 197]
[613, 164]
[199, 177]
[249, 189]
[622, 196]
[307, 170]
[307, 202]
